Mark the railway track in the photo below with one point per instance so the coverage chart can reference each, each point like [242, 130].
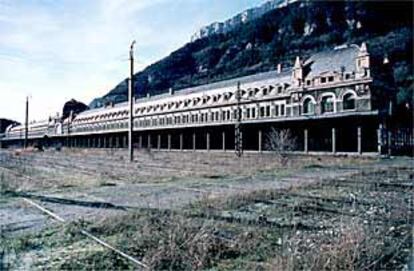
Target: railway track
[351, 184]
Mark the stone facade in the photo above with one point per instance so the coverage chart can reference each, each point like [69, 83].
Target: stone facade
[331, 85]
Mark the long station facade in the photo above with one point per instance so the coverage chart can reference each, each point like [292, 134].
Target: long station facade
[327, 102]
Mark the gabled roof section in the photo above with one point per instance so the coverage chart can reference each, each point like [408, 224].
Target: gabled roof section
[343, 57]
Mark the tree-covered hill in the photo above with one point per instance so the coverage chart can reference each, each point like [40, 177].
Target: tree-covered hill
[302, 28]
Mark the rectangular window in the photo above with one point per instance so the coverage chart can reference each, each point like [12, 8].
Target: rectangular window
[277, 110]
[330, 79]
[253, 113]
[262, 111]
[248, 113]
[323, 80]
[282, 109]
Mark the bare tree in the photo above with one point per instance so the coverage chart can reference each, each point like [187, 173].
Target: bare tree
[280, 142]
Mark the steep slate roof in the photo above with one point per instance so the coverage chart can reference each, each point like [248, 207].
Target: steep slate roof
[283, 77]
[332, 61]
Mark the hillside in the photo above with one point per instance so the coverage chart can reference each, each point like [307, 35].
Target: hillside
[241, 18]
[300, 28]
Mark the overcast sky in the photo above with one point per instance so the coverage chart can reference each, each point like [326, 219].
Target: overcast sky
[55, 50]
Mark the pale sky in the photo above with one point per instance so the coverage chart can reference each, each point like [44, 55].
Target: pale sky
[55, 50]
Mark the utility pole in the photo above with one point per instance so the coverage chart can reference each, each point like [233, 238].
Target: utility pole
[131, 103]
[238, 136]
[26, 123]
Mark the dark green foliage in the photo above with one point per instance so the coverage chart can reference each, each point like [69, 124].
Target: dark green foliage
[73, 106]
[4, 123]
[277, 37]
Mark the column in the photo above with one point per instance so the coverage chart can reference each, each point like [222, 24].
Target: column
[104, 142]
[389, 141]
[125, 142]
[224, 141]
[208, 141]
[306, 140]
[194, 142]
[140, 142]
[181, 142]
[99, 142]
[159, 142]
[359, 140]
[260, 141]
[149, 141]
[89, 143]
[169, 142]
[379, 137]
[117, 142]
[110, 142]
[333, 140]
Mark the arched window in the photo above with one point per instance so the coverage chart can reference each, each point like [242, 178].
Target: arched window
[327, 104]
[308, 106]
[349, 101]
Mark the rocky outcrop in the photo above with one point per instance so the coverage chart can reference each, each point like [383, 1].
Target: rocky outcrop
[241, 18]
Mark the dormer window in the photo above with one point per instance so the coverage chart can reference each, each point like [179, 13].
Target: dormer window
[323, 80]
[308, 82]
[279, 89]
[331, 79]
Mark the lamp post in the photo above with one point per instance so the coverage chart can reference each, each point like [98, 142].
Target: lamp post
[131, 103]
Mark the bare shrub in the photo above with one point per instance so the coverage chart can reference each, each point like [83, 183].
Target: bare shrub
[280, 142]
[342, 253]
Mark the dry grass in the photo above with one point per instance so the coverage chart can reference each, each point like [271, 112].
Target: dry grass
[91, 168]
[356, 223]
[359, 223]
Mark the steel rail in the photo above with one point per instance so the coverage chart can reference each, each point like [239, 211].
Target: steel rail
[88, 234]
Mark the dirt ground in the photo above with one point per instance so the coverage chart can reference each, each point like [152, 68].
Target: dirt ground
[95, 185]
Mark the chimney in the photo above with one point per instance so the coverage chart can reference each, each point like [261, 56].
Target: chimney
[297, 73]
[363, 50]
[148, 95]
[171, 91]
[279, 68]
[298, 63]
